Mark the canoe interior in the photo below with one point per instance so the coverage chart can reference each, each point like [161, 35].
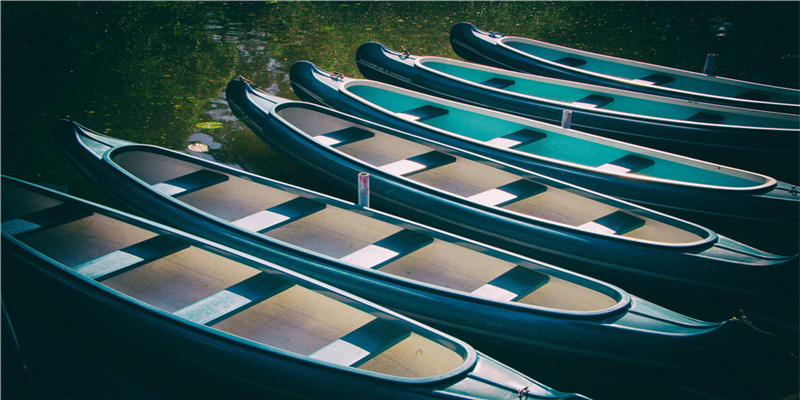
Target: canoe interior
[561, 145]
[371, 243]
[651, 75]
[269, 308]
[595, 98]
[488, 185]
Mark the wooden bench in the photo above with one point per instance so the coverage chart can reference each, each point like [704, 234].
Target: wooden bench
[517, 138]
[234, 299]
[280, 214]
[362, 344]
[344, 136]
[508, 193]
[385, 250]
[189, 183]
[130, 257]
[46, 218]
[616, 223]
[513, 285]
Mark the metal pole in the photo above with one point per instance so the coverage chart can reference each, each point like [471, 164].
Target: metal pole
[363, 189]
[566, 119]
[708, 69]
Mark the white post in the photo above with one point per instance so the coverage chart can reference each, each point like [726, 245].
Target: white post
[566, 119]
[708, 69]
[363, 189]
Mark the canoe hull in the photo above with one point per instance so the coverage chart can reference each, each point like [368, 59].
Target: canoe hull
[473, 44]
[605, 259]
[773, 152]
[773, 210]
[526, 329]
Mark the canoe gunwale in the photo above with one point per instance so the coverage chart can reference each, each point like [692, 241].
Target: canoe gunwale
[62, 272]
[621, 297]
[488, 47]
[419, 63]
[654, 67]
[707, 237]
[768, 184]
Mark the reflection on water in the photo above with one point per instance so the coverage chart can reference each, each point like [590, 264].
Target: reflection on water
[150, 72]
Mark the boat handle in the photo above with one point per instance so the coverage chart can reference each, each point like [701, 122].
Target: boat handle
[405, 53]
[363, 189]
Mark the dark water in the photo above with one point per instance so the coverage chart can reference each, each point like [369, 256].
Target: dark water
[151, 72]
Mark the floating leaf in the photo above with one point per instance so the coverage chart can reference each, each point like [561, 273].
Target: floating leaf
[209, 125]
[198, 147]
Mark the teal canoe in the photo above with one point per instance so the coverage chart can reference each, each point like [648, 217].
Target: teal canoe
[168, 302]
[547, 59]
[525, 311]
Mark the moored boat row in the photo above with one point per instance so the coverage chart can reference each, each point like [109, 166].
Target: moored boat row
[501, 231]
[689, 188]
[755, 140]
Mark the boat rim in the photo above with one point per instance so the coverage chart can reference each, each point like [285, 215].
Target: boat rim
[467, 352]
[706, 235]
[769, 182]
[621, 297]
[419, 61]
[502, 42]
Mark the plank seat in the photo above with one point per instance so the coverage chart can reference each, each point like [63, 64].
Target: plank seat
[280, 214]
[190, 182]
[618, 222]
[626, 164]
[571, 61]
[498, 83]
[344, 136]
[508, 193]
[517, 138]
[423, 113]
[706, 118]
[234, 299]
[754, 95]
[387, 249]
[513, 285]
[130, 257]
[418, 163]
[654, 79]
[593, 101]
[46, 218]
[362, 344]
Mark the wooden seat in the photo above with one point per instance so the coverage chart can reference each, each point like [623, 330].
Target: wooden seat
[517, 138]
[281, 214]
[618, 222]
[571, 61]
[423, 113]
[190, 182]
[654, 79]
[46, 218]
[498, 83]
[363, 344]
[754, 95]
[626, 164]
[593, 101]
[514, 284]
[234, 299]
[705, 117]
[418, 163]
[130, 257]
[508, 193]
[344, 136]
[387, 249]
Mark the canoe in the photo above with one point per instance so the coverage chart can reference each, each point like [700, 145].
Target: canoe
[515, 209]
[759, 141]
[258, 326]
[680, 186]
[547, 59]
[534, 312]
